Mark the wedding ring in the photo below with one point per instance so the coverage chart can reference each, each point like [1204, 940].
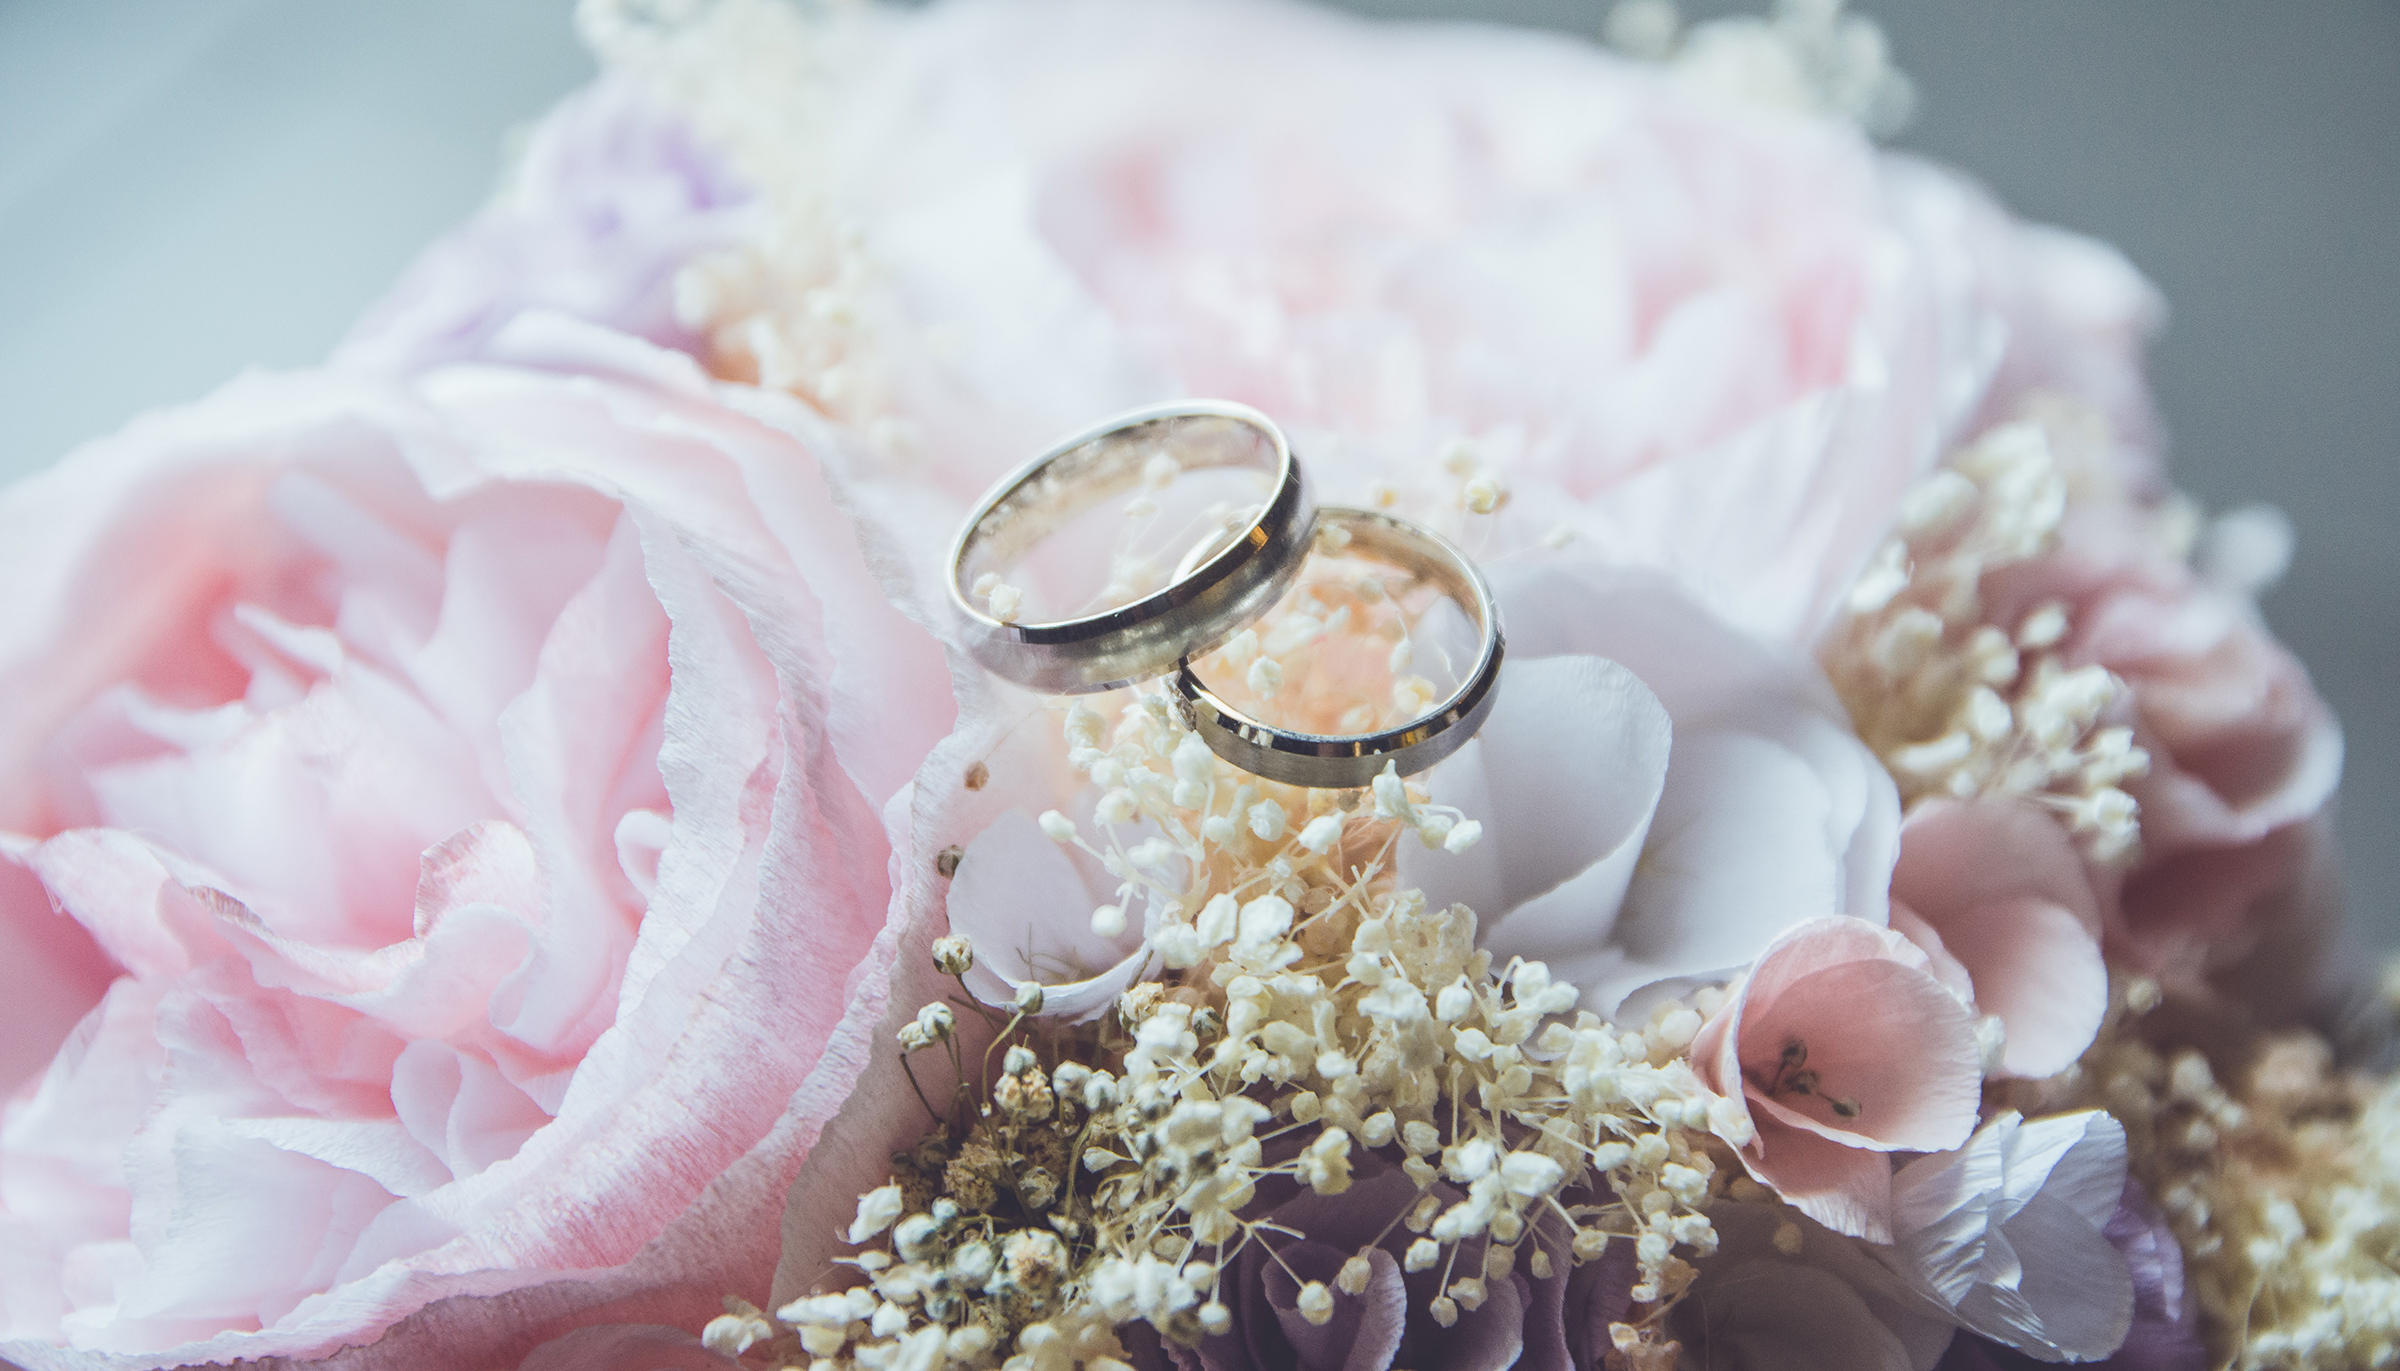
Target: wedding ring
[1246, 570]
[1344, 761]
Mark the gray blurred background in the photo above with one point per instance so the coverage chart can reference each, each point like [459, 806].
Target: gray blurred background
[191, 186]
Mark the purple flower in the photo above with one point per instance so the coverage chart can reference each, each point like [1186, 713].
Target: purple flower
[611, 196]
[2166, 1326]
[1552, 1323]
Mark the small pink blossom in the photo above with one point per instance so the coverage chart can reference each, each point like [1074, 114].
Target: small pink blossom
[1842, 1047]
[1997, 895]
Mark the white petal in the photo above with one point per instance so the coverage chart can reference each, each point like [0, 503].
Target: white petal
[1564, 777]
[1027, 902]
[1736, 856]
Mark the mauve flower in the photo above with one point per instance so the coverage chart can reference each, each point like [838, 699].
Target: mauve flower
[2028, 1233]
[441, 837]
[1551, 1323]
[1784, 1293]
[1997, 895]
[1843, 1047]
[608, 199]
[2165, 1331]
[2006, 1234]
[1638, 867]
[2232, 882]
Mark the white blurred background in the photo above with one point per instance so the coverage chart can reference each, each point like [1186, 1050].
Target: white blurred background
[189, 187]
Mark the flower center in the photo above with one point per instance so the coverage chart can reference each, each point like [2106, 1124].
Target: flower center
[1792, 1076]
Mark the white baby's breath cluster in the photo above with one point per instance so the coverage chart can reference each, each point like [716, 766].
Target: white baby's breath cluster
[1308, 1013]
[2279, 1173]
[1808, 56]
[1961, 707]
[794, 306]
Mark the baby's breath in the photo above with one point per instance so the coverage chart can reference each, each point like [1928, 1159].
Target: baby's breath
[1307, 1012]
[1959, 706]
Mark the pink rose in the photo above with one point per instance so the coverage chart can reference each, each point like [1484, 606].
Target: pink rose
[1999, 899]
[442, 854]
[1843, 1047]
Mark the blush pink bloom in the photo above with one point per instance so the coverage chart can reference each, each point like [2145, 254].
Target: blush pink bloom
[2232, 884]
[1717, 341]
[443, 861]
[1842, 1047]
[2000, 900]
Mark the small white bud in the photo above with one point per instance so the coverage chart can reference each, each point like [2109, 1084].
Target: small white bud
[1264, 921]
[1322, 833]
[1108, 921]
[1057, 827]
[953, 955]
[1179, 946]
[1193, 761]
[1463, 836]
[1453, 1003]
[1219, 920]
[1316, 1303]
[1265, 678]
[1267, 820]
[877, 1209]
[1006, 602]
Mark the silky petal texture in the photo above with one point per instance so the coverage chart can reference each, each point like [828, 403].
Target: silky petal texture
[626, 1347]
[1026, 903]
[1880, 1031]
[2008, 900]
[2009, 1234]
[602, 749]
[1565, 776]
[1755, 1308]
[1771, 812]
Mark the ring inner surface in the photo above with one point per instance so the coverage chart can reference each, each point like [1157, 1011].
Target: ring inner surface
[1405, 563]
[1052, 531]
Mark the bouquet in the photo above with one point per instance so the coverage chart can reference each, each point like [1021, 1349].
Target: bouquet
[1752, 828]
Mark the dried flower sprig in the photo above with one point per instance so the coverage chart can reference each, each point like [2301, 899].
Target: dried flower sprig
[2278, 1171]
[1958, 706]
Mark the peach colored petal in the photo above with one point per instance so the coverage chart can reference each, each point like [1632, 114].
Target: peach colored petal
[1956, 856]
[1847, 1189]
[2037, 968]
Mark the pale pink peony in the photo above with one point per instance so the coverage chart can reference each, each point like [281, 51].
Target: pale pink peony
[1998, 897]
[442, 853]
[1714, 341]
[1843, 1047]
